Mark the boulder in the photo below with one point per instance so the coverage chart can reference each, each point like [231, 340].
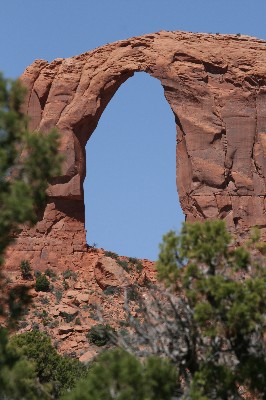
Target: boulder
[108, 273]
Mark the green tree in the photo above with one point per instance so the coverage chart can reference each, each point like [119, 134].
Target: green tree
[119, 375]
[100, 334]
[208, 317]
[223, 292]
[18, 377]
[27, 162]
[25, 268]
[60, 373]
[42, 283]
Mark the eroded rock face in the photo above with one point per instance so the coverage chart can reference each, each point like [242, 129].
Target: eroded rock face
[216, 87]
[108, 273]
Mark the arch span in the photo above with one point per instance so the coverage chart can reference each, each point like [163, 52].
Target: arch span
[216, 88]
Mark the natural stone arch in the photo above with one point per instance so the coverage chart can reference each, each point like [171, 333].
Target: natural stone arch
[216, 88]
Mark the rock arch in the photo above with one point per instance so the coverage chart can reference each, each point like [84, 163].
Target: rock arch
[216, 88]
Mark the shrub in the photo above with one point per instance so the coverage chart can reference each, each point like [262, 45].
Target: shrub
[60, 372]
[100, 334]
[68, 317]
[37, 273]
[132, 293]
[69, 274]
[111, 290]
[58, 295]
[44, 300]
[49, 272]
[25, 269]
[123, 264]
[137, 263]
[65, 285]
[118, 375]
[42, 284]
[111, 254]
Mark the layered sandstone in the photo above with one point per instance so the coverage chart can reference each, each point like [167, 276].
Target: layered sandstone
[216, 88]
[79, 300]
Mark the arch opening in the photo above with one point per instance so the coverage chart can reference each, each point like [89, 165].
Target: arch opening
[130, 191]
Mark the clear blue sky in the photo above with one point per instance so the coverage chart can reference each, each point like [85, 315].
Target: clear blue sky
[130, 193]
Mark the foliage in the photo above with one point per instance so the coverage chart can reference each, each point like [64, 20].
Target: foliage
[136, 262]
[111, 290]
[25, 269]
[27, 162]
[68, 317]
[119, 375]
[42, 283]
[100, 334]
[18, 379]
[50, 273]
[132, 293]
[58, 295]
[111, 254]
[224, 303]
[209, 320]
[123, 264]
[60, 372]
[69, 274]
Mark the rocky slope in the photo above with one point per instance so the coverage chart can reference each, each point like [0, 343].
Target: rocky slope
[79, 300]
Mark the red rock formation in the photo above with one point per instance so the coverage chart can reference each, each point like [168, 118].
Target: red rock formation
[216, 87]
[77, 300]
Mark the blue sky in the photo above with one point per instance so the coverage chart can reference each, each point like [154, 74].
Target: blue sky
[130, 193]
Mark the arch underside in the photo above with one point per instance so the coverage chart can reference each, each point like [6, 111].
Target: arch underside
[216, 88]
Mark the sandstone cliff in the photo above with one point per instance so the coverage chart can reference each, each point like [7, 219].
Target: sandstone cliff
[216, 87]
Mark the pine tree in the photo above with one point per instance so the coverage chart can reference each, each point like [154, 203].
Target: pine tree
[208, 315]
[27, 162]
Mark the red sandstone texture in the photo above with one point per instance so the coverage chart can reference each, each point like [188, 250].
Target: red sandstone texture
[216, 88]
[79, 300]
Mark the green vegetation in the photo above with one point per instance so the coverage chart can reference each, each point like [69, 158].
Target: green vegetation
[200, 338]
[224, 289]
[123, 264]
[53, 371]
[50, 273]
[58, 295]
[118, 375]
[29, 171]
[111, 254]
[68, 317]
[100, 334]
[69, 274]
[26, 270]
[132, 293]
[18, 379]
[42, 283]
[137, 263]
[27, 162]
[111, 290]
